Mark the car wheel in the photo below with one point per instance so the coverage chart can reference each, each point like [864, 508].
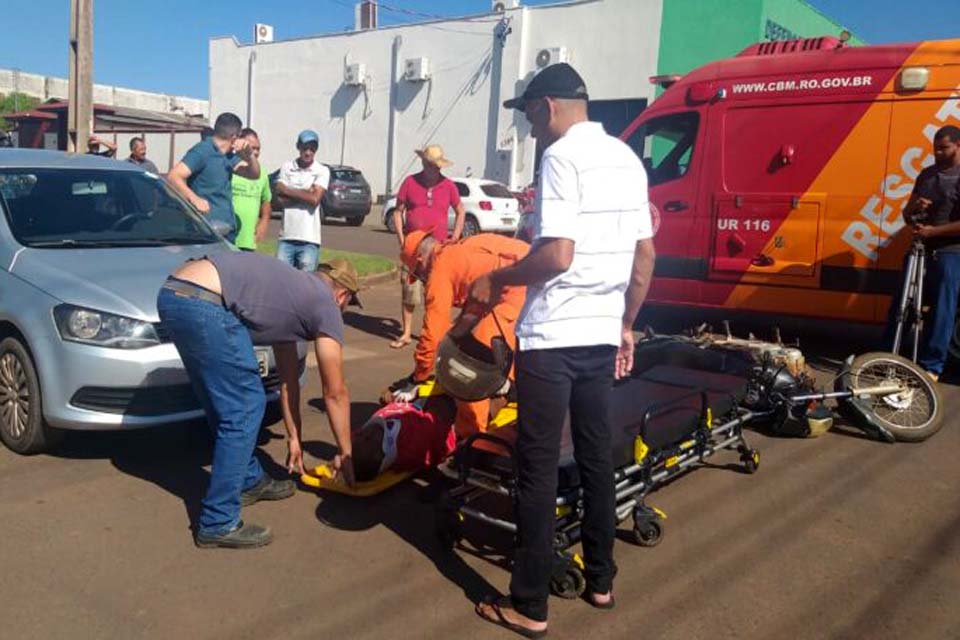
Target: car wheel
[470, 227]
[355, 222]
[388, 222]
[22, 427]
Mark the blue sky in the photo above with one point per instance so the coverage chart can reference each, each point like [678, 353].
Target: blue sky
[162, 45]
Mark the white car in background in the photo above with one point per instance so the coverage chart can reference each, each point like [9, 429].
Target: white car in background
[489, 205]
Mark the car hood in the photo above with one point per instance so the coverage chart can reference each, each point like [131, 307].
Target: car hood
[121, 281]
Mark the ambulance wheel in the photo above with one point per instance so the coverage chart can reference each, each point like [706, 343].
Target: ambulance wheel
[647, 533]
[570, 585]
[750, 458]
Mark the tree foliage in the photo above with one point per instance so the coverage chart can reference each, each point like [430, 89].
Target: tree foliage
[13, 102]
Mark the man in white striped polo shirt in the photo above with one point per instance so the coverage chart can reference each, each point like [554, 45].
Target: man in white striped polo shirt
[586, 275]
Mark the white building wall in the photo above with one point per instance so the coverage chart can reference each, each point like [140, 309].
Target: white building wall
[298, 84]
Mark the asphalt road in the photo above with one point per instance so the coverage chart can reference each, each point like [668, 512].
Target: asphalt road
[836, 537]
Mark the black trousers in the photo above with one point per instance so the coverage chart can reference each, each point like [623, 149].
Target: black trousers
[551, 382]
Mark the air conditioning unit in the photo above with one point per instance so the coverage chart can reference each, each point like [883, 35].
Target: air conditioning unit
[499, 6]
[355, 74]
[262, 33]
[416, 69]
[552, 55]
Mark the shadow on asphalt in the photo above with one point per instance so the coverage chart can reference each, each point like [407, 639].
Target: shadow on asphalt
[406, 512]
[173, 457]
[382, 327]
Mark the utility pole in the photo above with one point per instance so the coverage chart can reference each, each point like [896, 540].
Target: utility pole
[80, 110]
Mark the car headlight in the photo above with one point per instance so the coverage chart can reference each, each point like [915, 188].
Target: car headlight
[103, 329]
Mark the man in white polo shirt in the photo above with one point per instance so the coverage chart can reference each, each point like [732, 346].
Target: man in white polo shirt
[299, 189]
[586, 275]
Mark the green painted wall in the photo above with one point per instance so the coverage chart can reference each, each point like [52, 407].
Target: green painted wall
[695, 32]
[801, 18]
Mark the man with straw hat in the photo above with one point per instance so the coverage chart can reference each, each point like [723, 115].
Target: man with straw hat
[422, 204]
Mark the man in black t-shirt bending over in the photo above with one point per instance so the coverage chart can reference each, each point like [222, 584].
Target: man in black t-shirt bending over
[215, 310]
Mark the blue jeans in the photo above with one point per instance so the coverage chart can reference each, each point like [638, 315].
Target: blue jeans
[299, 255]
[218, 355]
[944, 278]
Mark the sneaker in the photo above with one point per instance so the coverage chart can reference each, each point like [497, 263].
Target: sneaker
[244, 536]
[268, 489]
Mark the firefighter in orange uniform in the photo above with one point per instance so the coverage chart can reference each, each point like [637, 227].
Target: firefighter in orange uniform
[448, 270]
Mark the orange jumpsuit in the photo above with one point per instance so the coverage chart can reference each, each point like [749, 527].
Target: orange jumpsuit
[454, 269]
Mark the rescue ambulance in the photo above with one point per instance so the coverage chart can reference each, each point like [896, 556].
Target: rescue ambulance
[778, 177]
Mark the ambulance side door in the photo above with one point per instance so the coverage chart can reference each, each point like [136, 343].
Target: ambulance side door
[915, 119]
[671, 149]
[795, 175]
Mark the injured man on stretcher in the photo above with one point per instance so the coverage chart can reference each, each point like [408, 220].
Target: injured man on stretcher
[420, 431]
[406, 437]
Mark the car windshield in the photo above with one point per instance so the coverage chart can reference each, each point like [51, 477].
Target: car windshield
[69, 208]
[496, 191]
[345, 175]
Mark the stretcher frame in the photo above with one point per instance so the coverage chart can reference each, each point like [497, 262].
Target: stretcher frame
[648, 470]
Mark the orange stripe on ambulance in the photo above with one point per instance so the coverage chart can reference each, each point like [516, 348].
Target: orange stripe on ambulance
[878, 227]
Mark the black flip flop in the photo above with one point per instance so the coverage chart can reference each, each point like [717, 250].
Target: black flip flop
[498, 602]
[606, 606]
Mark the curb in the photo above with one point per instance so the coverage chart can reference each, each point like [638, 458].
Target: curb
[379, 278]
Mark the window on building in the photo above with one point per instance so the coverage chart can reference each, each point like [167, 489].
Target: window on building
[665, 145]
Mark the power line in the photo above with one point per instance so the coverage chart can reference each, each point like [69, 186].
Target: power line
[429, 16]
[410, 12]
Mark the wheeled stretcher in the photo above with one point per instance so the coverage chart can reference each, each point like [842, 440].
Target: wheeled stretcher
[681, 405]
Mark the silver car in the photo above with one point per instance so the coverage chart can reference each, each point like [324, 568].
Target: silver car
[85, 244]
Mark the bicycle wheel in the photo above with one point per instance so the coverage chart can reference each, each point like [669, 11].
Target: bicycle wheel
[912, 413]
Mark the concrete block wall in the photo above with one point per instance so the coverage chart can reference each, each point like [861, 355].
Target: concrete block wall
[50, 87]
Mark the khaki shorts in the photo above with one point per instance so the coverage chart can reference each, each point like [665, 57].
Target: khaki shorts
[412, 293]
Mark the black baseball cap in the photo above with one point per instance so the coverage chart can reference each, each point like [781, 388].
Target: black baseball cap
[556, 81]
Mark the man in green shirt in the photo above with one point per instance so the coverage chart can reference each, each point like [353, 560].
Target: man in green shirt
[251, 201]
